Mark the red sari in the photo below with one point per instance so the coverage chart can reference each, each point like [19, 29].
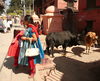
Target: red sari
[34, 29]
[14, 46]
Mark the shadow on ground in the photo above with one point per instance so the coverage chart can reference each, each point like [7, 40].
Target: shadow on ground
[57, 51]
[97, 50]
[61, 51]
[75, 70]
[9, 64]
[78, 50]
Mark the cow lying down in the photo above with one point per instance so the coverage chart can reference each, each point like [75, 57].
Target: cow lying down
[64, 38]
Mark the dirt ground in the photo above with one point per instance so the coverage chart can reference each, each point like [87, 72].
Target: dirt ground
[75, 66]
[78, 66]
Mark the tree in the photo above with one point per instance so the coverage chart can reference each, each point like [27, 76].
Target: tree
[14, 5]
[17, 5]
[1, 9]
[2, 6]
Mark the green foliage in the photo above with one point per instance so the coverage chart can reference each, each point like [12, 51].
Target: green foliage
[28, 12]
[28, 3]
[16, 7]
[16, 4]
[13, 14]
[1, 7]
[18, 12]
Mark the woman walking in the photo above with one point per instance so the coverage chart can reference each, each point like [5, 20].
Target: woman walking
[30, 34]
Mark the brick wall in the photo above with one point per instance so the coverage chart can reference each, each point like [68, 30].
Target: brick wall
[88, 14]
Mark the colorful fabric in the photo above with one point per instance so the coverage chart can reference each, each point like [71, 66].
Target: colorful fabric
[34, 29]
[14, 46]
[25, 44]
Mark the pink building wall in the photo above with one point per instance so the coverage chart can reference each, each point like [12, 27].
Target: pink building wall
[61, 4]
[85, 14]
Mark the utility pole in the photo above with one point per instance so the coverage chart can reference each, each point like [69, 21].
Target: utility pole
[24, 7]
[30, 6]
[33, 6]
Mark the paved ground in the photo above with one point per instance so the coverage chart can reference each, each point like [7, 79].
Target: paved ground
[75, 66]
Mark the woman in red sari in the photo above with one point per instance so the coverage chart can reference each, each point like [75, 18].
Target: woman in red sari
[30, 34]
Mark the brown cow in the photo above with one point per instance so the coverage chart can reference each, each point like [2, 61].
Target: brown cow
[90, 40]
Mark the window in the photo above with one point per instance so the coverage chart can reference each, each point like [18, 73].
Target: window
[88, 27]
[91, 4]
